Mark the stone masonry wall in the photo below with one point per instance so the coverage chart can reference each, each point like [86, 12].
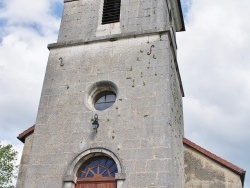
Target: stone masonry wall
[82, 19]
[24, 161]
[176, 114]
[144, 127]
[202, 172]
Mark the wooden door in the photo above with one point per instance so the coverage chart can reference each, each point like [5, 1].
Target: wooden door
[96, 185]
[106, 185]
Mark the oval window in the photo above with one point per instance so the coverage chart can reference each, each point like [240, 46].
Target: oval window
[104, 100]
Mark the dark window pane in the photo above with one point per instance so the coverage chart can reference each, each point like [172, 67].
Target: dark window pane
[98, 165]
[103, 161]
[95, 162]
[90, 164]
[104, 100]
[109, 162]
[101, 169]
[105, 174]
[113, 167]
[101, 100]
[113, 174]
[95, 170]
[100, 106]
[103, 106]
[85, 169]
[110, 98]
[82, 175]
[90, 175]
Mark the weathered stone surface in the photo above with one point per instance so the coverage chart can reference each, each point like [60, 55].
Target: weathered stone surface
[82, 19]
[202, 172]
[144, 128]
[145, 123]
[22, 174]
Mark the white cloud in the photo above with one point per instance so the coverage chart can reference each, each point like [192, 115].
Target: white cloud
[28, 12]
[214, 63]
[26, 29]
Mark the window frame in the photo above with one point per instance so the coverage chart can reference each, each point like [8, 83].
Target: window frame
[101, 95]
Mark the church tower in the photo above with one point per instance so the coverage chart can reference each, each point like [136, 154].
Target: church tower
[110, 113]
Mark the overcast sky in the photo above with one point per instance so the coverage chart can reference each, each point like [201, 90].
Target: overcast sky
[213, 56]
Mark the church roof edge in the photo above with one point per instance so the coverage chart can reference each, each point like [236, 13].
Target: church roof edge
[26, 133]
[216, 158]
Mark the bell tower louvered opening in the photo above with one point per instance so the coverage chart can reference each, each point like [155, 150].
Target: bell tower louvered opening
[111, 11]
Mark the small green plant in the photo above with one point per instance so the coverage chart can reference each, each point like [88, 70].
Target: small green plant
[8, 169]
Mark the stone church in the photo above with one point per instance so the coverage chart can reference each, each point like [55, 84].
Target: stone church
[110, 113]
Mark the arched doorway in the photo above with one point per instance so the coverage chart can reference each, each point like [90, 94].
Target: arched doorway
[71, 173]
[97, 172]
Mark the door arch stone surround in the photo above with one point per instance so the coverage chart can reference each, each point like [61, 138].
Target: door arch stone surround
[70, 178]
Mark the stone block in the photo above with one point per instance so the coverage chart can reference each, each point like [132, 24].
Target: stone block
[142, 179]
[158, 165]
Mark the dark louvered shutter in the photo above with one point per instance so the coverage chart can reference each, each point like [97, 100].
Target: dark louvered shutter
[111, 11]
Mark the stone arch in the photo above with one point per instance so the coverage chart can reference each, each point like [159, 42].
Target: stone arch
[69, 180]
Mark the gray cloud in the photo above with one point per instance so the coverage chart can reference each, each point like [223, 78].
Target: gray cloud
[214, 63]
